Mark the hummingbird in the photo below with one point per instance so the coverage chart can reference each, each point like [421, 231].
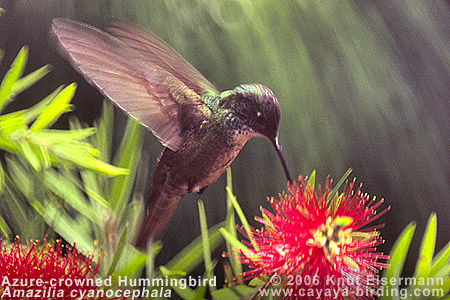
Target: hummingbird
[202, 130]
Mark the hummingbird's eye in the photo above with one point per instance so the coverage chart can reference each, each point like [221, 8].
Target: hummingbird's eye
[259, 118]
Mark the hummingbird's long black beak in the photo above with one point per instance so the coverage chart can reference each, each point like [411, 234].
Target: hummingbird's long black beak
[283, 161]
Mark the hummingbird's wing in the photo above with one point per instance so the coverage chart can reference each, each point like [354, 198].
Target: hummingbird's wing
[162, 55]
[147, 92]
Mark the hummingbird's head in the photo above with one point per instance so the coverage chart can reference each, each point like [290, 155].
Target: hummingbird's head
[257, 112]
[256, 108]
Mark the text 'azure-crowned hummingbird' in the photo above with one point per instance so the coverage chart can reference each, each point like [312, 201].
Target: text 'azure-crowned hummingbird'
[202, 129]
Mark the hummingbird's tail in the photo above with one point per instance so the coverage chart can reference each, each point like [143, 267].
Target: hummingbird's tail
[161, 204]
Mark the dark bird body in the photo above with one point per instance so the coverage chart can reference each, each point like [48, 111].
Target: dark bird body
[203, 130]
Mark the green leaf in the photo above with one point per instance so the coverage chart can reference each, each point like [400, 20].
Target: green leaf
[232, 240]
[12, 129]
[4, 228]
[30, 155]
[55, 109]
[205, 241]
[54, 136]
[335, 189]
[14, 207]
[242, 217]
[2, 178]
[86, 160]
[134, 265]
[441, 260]
[93, 195]
[426, 249]
[231, 224]
[200, 292]
[27, 81]
[183, 292]
[20, 177]
[312, 179]
[397, 259]
[103, 138]
[127, 156]
[257, 281]
[35, 228]
[188, 258]
[8, 145]
[27, 115]
[13, 74]
[67, 190]
[201, 289]
[120, 247]
[70, 229]
[152, 252]
[33, 112]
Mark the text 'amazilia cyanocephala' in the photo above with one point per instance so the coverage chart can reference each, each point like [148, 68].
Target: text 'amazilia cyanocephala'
[202, 129]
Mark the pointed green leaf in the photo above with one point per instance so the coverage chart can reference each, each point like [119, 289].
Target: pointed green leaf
[120, 247]
[10, 123]
[200, 293]
[335, 189]
[13, 74]
[16, 209]
[426, 251]
[397, 259]
[443, 288]
[134, 265]
[184, 292]
[231, 224]
[86, 160]
[55, 136]
[66, 190]
[12, 132]
[103, 138]
[205, 241]
[4, 229]
[12, 115]
[70, 229]
[33, 112]
[2, 178]
[155, 248]
[27, 81]
[20, 176]
[30, 155]
[55, 109]
[201, 289]
[257, 281]
[312, 179]
[8, 145]
[188, 258]
[127, 157]
[96, 197]
[242, 217]
[441, 260]
[35, 228]
[232, 240]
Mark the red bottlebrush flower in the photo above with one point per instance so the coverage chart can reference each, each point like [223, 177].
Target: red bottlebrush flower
[44, 272]
[314, 247]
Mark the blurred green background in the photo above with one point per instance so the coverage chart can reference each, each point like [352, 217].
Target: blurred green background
[361, 84]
